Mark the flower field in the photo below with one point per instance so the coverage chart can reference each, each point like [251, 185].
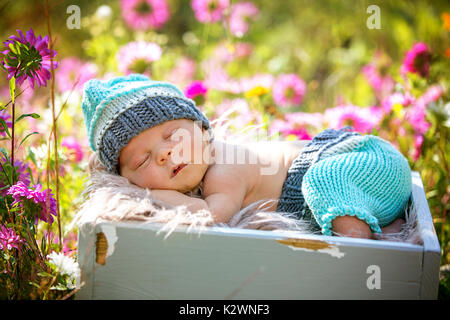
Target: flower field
[291, 68]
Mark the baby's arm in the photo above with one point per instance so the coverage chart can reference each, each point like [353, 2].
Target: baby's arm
[224, 197]
[177, 198]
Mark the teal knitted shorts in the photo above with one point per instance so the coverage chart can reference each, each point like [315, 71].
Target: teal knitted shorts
[363, 176]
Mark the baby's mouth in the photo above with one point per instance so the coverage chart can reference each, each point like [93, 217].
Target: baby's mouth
[177, 169]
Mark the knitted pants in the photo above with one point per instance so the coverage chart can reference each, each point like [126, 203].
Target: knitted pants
[362, 176]
[371, 181]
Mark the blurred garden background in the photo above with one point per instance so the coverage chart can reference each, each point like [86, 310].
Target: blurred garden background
[294, 67]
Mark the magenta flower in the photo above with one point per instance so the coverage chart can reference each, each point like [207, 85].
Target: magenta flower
[5, 116]
[241, 14]
[72, 70]
[362, 120]
[74, 148]
[196, 88]
[209, 11]
[288, 90]
[32, 62]
[145, 14]
[20, 192]
[417, 60]
[9, 239]
[136, 57]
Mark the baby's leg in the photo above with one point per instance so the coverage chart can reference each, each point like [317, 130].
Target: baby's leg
[350, 226]
[356, 193]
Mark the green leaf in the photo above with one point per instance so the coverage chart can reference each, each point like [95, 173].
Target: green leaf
[12, 88]
[26, 138]
[5, 154]
[32, 115]
[5, 126]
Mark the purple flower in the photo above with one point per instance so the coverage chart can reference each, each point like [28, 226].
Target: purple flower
[288, 90]
[73, 70]
[9, 239]
[417, 60]
[21, 170]
[241, 13]
[20, 192]
[145, 14]
[32, 62]
[135, 57]
[209, 11]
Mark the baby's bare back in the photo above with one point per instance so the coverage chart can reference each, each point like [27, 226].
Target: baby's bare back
[260, 166]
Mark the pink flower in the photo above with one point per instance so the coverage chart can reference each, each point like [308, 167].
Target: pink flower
[432, 94]
[195, 89]
[288, 90]
[416, 116]
[74, 148]
[241, 13]
[209, 11]
[404, 99]
[287, 128]
[9, 239]
[72, 70]
[418, 141]
[145, 14]
[135, 57]
[362, 120]
[183, 72]
[34, 57]
[20, 192]
[417, 60]
[238, 113]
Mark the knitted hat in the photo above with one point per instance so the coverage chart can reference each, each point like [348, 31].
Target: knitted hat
[117, 110]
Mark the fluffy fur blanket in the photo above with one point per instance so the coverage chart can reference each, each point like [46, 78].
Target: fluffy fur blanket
[110, 197]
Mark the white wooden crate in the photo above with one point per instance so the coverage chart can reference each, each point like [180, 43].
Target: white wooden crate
[224, 263]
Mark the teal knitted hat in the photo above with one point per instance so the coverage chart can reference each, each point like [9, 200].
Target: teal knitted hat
[117, 110]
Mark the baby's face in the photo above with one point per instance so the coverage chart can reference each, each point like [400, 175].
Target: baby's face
[152, 158]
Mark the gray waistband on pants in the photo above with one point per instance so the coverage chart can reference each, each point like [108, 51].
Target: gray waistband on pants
[291, 200]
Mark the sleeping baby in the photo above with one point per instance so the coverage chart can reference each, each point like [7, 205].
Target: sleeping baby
[342, 182]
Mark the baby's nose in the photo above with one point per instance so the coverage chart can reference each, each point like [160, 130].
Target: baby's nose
[164, 155]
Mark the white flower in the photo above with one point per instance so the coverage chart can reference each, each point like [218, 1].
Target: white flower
[65, 265]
